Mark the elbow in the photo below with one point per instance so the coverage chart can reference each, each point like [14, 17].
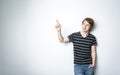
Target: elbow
[61, 41]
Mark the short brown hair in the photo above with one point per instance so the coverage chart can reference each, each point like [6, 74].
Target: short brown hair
[90, 21]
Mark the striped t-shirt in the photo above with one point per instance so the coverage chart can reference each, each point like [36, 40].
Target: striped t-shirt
[82, 47]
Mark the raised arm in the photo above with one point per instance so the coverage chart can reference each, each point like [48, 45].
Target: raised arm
[60, 36]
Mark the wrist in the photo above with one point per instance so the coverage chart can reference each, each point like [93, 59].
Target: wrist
[94, 64]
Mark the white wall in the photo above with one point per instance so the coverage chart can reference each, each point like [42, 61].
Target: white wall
[29, 43]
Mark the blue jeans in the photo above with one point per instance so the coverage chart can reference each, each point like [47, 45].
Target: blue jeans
[83, 69]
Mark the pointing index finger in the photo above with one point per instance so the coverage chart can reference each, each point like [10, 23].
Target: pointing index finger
[57, 21]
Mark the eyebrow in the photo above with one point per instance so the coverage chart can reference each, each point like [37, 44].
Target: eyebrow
[85, 24]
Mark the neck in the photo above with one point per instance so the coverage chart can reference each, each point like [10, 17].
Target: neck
[84, 33]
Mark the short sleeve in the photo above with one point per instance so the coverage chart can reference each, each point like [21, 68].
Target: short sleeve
[94, 42]
[70, 37]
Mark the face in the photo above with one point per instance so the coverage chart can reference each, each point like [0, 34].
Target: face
[85, 26]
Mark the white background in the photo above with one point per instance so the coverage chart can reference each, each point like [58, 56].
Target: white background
[28, 40]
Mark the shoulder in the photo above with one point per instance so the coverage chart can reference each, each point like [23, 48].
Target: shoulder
[92, 36]
[76, 33]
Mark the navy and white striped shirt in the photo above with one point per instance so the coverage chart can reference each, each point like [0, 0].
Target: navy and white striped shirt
[82, 47]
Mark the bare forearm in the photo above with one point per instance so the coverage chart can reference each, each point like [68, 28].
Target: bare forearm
[94, 58]
[60, 36]
[93, 55]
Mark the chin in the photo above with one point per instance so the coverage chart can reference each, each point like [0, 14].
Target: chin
[85, 30]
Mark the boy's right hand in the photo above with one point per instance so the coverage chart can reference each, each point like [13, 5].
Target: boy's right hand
[58, 26]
